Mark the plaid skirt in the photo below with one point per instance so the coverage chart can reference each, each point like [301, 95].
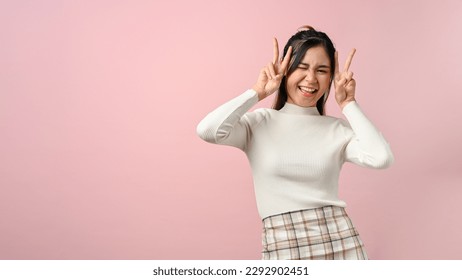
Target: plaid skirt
[324, 233]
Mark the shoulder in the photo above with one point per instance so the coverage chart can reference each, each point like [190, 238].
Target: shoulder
[341, 126]
[260, 116]
[334, 121]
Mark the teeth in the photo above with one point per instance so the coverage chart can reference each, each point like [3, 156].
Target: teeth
[310, 90]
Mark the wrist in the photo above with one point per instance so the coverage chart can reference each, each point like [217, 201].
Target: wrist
[261, 93]
[346, 102]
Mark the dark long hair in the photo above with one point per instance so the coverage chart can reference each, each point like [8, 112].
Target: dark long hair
[301, 42]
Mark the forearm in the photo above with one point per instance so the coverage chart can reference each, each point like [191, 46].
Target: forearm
[218, 124]
[369, 147]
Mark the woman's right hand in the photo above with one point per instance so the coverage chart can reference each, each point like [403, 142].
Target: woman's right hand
[271, 75]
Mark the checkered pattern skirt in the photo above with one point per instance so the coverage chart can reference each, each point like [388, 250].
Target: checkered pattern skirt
[324, 233]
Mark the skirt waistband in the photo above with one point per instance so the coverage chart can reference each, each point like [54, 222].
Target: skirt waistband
[327, 211]
[320, 233]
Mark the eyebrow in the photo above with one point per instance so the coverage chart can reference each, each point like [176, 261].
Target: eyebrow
[320, 66]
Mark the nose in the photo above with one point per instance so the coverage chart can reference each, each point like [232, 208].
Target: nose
[310, 76]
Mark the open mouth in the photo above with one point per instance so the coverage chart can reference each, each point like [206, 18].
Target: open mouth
[308, 91]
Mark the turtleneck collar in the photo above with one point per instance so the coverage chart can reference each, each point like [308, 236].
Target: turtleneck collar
[290, 108]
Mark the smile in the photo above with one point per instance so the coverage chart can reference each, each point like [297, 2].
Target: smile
[308, 91]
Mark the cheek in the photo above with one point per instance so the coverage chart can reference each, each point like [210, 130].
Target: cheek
[324, 81]
[291, 83]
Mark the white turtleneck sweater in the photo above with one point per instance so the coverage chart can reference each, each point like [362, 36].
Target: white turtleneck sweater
[295, 153]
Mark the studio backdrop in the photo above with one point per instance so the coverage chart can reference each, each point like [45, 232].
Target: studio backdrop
[99, 103]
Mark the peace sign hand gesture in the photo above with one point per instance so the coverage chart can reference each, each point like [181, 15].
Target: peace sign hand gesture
[344, 83]
[270, 76]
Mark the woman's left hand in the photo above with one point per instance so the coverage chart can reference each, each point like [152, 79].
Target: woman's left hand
[344, 83]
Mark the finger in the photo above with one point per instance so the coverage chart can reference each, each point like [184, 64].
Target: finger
[351, 83]
[285, 62]
[336, 64]
[341, 82]
[350, 87]
[267, 73]
[344, 79]
[349, 59]
[271, 70]
[263, 73]
[348, 76]
[275, 50]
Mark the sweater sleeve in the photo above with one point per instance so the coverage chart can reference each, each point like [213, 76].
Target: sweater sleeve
[367, 147]
[227, 124]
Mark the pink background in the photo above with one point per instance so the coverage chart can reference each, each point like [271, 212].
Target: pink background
[99, 102]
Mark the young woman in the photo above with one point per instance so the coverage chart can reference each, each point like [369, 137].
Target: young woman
[296, 151]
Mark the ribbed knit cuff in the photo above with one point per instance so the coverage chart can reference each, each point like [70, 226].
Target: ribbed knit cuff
[251, 94]
[351, 106]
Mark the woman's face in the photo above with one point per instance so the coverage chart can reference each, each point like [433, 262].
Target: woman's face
[311, 79]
